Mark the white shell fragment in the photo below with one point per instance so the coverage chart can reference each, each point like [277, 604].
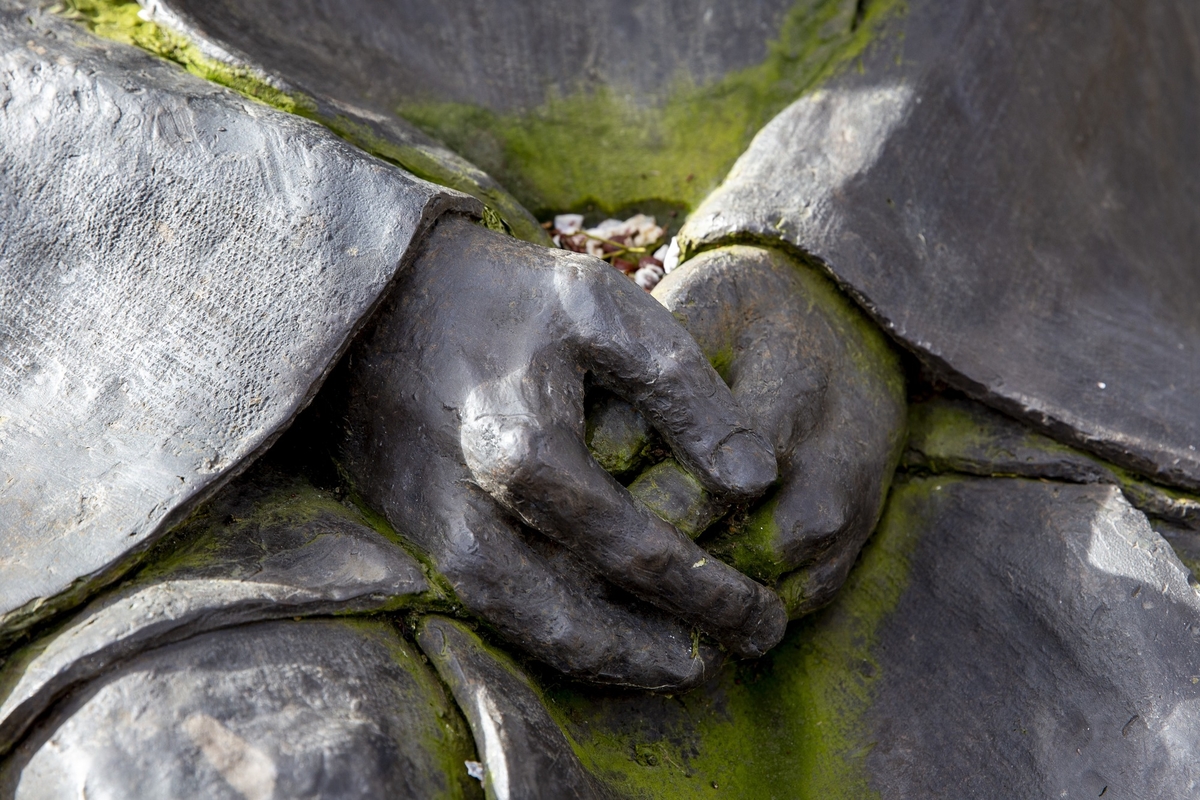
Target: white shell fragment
[669, 259]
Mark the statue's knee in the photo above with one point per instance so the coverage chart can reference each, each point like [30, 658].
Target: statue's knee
[280, 709]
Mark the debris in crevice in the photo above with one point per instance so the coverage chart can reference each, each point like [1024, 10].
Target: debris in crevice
[636, 246]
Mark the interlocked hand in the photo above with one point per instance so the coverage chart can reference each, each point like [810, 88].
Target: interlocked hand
[826, 389]
[465, 427]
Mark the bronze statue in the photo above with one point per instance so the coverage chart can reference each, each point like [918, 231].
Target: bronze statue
[282, 422]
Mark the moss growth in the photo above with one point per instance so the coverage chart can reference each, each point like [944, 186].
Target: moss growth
[617, 436]
[956, 436]
[448, 738]
[750, 544]
[260, 499]
[23, 622]
[676, 496]
[584, 149]
[946, 433]
[722, 363]
[601, 149]
[1158, 501]
[210, 536]
[449, 602]
[120, 21]
[1192, 564]
[202, 537]
[790, 725]
[14, 665]
[500, 212]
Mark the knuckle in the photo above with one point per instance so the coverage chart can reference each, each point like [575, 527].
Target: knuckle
[505, 454]
[673, 370]
[649, 558]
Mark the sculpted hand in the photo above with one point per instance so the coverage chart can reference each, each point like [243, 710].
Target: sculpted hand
[465, 426]
[821, 382]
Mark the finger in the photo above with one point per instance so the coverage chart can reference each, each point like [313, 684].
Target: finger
[827, 507]
[704, 295]
[834, 494]
[549, 604]
[747, 311]
[813, 517]
[541, 470]
[812, 587]
[634, 347]
[677, 498]
[616, 434]
[821, 517]
[817, 378]
[531, 758]
[840, 471]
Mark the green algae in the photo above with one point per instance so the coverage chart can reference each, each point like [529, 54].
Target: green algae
[601, 150]
[950, 436]
[616, 434]
[471, 649]
[120, 21]
[1158, 501]
[596, 148]
[501, 212]
[201, 538]
[447, 599]
[751, 544]
[202, 541]
[26, 620]
[954, 436]
[448, 737]
[793, 724]
[675, 495]
[1193, 564]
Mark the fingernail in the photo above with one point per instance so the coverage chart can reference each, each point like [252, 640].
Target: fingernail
[745, 464]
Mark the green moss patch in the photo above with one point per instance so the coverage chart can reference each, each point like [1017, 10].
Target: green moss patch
[949, 435]
[789, 725]
[120, 21]
[959, 436]
[601, 151]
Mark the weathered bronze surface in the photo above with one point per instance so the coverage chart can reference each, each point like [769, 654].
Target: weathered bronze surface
[206, 590]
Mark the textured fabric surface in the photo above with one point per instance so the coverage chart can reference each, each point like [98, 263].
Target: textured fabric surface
[1011, 189]
[179, 268]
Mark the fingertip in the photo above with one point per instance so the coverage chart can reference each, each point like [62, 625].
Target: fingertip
[702, 664]
[763, 624]
[744, 465]
[771, 628]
